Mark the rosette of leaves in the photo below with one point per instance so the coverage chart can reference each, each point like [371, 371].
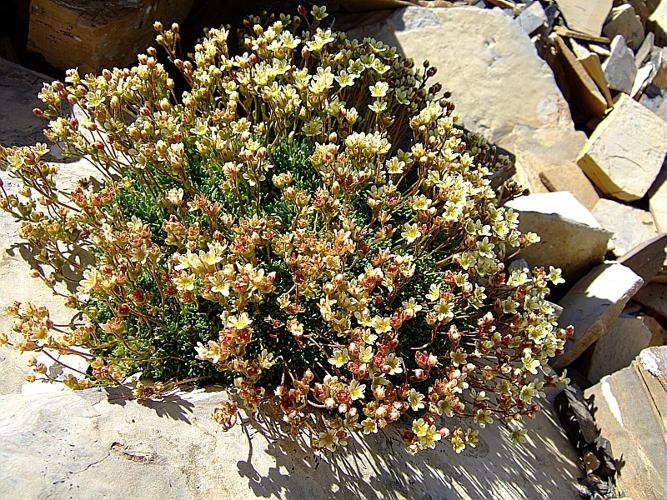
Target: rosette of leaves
[305, 221]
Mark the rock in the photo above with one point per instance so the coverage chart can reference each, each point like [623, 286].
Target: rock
[96, 34]
[657, 22]
[19, 87]
[641, 7]
[629, 226]
[625, 339]
[646, 259]
[619, 69]
[468, 44]
[644, 76]
[644, 50]
[532, 18]
[599, 50]
[72, 444]
[660, 58]
[624, 21]
[658, 333]
[537, 150]
[587, 17]
[569, 177]
[571, 238]
[654, 298]
[573, 76]
[653, 99]
[631, 411]
[591, 62]
[593, 304]
[658, 201]
[624, 154]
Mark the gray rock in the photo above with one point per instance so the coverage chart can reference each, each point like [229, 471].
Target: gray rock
[629, 226]
[592, 306]
[569, 177]
[631, 411]
[619, 69]
[654, 298]
[91, 445]
[532, 18]
[571, 238]
[647, 259]
[644, 50]
[624, 21]
[626, 338]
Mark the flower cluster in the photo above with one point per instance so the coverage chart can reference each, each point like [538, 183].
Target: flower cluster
[305, 221]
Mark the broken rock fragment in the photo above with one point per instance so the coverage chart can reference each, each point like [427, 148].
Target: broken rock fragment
[624, 154]
[592, 306]
[629, 226]
[570, 237]
[624, 21]
[620, 69]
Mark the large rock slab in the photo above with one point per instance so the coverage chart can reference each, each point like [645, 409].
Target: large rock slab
[592, 306]
[658, 201]
[624, 154]
[647, 259]
[626, 338]
[586, 17]
[657, 22]
[631, 413]
[570, 237]
[19, 87]
[629, 226]
[569, 177]
[83, 445]
[497, 80]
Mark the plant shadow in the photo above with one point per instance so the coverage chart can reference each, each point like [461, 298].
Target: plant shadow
[377, 466]
[171, 406]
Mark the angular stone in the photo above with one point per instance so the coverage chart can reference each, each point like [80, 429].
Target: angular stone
[569, 177]
[643, 78]
[95, 34]
[619, 69]
[631, 413]
[658, 333]
[532, 18]
[515, 87]
[657, 22]
[587, 17]
[641, 7]
[591, 62]
[537, 150]
[629, 226]
[624, 154]
[624, 21]
[19, 87]
[570, 237]
[572, 75]
[660, 58]
[95, 444]
[647, 259]
[593, 304]
[626, 338]
[654, 298]
[644, 50]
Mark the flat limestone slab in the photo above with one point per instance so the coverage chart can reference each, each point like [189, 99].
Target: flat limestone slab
[497, 80]
[592, 306]
[624, 154]
[85, 446]
[587, 16]
[630, 226]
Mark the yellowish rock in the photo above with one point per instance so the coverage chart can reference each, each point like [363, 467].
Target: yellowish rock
[586, 16]
[624, 154]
